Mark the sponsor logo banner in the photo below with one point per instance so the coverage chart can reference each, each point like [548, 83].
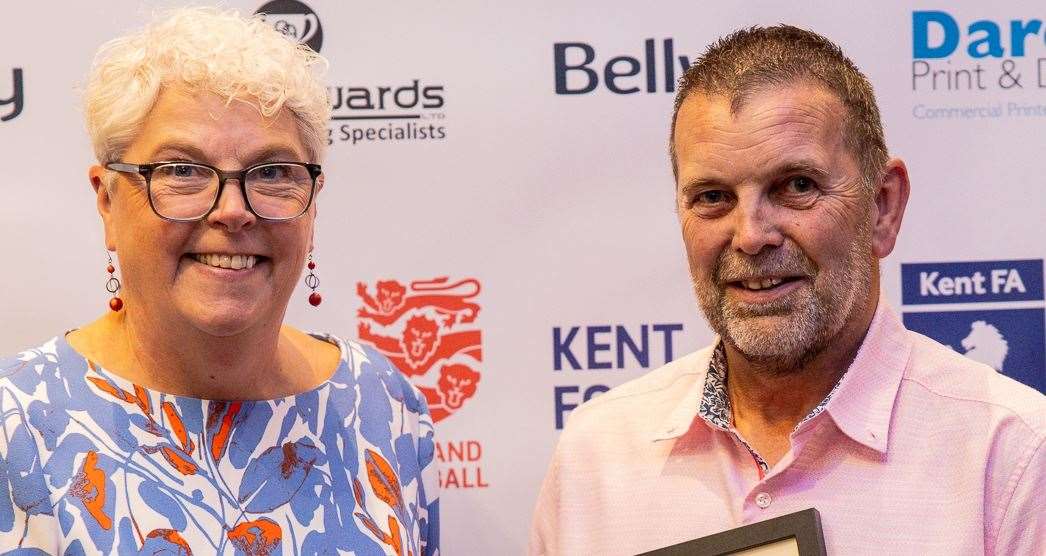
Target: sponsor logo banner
[971, 282]
[17, 98]
[579, 70]
[582, 354]
[296, 20]
[991, 60]
[405, 110]
[427, 328]
[1008, 340]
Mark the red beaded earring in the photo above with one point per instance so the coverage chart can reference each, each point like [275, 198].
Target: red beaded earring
[112, 285]
[313, 282]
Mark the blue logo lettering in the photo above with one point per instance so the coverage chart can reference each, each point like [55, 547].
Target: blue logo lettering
[971, 282]
[921, 47]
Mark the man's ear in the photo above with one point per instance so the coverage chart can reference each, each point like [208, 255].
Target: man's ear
[891, 198]
[103, 189]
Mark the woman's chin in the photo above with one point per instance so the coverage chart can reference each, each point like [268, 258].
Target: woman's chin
[226, 317]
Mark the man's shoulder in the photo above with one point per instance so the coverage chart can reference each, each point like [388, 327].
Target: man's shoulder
[646, 399]
[958, 381]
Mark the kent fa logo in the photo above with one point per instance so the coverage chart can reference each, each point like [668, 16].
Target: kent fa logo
[990, 311]
[295, 20]
[428, 325]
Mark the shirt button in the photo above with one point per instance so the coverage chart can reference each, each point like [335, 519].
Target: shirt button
[763, 500]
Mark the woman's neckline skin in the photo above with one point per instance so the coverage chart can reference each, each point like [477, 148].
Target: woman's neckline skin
[281, 363]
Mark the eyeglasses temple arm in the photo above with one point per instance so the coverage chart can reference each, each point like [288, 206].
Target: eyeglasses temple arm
[124, 167]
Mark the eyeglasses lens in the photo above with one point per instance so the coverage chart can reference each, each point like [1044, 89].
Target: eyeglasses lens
[188, 191]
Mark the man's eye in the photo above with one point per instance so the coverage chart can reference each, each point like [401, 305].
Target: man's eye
[801, 184]
[713, 197]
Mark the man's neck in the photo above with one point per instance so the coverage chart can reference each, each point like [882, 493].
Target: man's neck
[254, 364]
[767, 405]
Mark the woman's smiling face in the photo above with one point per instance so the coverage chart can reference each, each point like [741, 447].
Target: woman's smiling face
[169, 266]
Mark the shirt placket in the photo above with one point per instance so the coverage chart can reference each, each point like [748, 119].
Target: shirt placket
[715, 410]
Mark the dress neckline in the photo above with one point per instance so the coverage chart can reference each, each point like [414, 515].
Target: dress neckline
[91, 367]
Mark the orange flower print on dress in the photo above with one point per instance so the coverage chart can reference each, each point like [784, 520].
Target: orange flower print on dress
[386, 486]
[178, 428]
[182, 464]
[260, 537]
[100, 465]
[170, 542]
[226, 413]
[113, 391]
[89, 487]
[383, 480]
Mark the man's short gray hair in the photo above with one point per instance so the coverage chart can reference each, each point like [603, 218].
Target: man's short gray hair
[754, 59]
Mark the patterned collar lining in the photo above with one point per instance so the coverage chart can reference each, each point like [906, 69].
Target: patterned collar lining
[715, 402]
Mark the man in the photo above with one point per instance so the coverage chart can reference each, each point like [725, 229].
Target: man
[814, 394]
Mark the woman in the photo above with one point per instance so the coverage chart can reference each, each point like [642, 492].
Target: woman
[189, 418]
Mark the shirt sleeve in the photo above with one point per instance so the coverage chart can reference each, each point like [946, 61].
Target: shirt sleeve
[1023, 527]
[543, 529]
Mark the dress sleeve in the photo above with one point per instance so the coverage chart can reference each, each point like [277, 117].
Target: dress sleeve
[28, 525]
[429, 487]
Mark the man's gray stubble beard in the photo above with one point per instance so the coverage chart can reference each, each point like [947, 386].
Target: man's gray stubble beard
[813, 315]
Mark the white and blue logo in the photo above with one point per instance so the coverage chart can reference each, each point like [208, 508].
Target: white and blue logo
[990, 311]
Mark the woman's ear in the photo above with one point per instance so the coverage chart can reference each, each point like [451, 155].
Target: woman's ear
[103, 188]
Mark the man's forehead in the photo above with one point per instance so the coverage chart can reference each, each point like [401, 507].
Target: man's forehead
[799, 108]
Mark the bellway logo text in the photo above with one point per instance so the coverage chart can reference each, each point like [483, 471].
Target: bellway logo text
[17, 98]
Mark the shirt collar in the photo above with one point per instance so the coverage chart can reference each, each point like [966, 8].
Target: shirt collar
[861, 404]
[682, 416]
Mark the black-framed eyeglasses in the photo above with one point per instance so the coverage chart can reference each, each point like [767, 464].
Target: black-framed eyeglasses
[189, 191]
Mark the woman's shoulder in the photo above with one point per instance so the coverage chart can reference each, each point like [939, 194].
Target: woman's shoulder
[35, 361]
[376, 375]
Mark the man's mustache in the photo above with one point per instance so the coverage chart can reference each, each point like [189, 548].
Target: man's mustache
[781, 262]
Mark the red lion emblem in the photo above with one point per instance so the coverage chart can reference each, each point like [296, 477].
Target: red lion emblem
[423, 327]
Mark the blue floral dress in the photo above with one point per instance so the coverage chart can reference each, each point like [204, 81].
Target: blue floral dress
[91, 463]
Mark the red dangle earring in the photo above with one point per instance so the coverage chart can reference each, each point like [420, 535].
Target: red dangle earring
[313, 282]
[113, 286]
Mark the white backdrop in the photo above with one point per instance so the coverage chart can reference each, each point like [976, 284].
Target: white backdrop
[560, 206]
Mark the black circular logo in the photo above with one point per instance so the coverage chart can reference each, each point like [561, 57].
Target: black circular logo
[294, 19]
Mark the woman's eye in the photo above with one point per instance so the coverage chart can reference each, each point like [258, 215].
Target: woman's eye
[272, 172]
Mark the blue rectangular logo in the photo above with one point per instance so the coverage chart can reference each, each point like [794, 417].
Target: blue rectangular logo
[971, 282]
[1012, 341]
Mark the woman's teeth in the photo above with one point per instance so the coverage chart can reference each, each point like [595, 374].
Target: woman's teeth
[235, 262]
[762, 284]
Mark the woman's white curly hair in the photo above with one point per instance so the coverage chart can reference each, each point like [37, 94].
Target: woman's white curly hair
[203, 49]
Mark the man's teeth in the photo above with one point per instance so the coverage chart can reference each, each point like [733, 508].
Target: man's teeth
[762, 284]
[235, 262]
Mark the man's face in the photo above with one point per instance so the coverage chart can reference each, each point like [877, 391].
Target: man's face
[776, 220]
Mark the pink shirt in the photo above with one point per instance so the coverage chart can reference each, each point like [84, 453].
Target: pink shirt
[919, 450]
